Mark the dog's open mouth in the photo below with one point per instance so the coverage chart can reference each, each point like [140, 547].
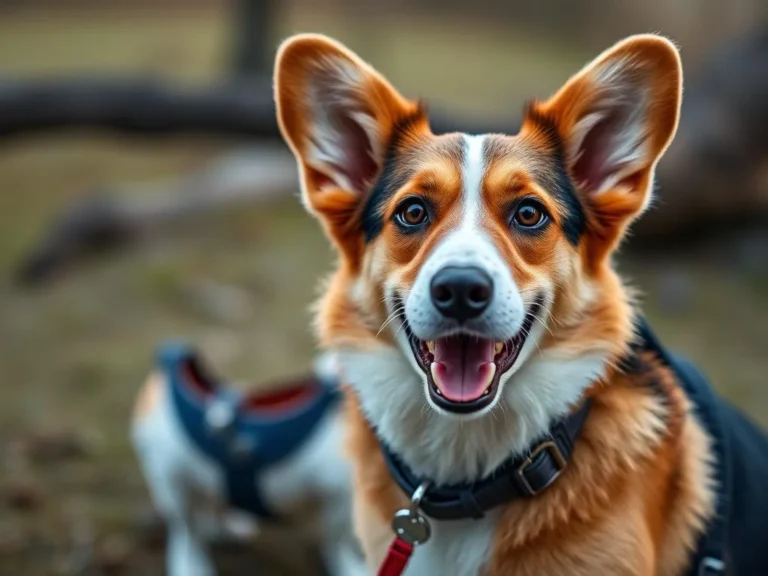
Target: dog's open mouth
[463, 370]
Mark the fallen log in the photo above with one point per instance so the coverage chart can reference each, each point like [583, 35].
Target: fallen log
[123, 213]
[238, 108]
[142, 107]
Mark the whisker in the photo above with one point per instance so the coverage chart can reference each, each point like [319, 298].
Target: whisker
[538, 291]
[535, 343]
[395, 313]
[503, 412]
[424, 407]
[544, 325]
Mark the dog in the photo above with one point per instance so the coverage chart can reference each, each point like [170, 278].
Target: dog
[218, 463]
[509, 410]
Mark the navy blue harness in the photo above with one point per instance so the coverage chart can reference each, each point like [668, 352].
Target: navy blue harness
[229, 427]
[710, 557]
[736, 538]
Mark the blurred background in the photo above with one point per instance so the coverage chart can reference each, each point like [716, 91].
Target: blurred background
[144, 194]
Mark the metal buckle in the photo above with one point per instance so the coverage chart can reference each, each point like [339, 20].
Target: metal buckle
[552, 448]
[220, 416]
[711, 565]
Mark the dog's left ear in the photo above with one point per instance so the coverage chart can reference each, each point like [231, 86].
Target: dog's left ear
[615, 119]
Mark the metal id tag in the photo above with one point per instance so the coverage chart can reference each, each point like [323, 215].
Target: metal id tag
[408, 524]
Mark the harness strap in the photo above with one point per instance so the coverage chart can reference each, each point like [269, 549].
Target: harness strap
[711, 553]
[238, 453]
[518, 477]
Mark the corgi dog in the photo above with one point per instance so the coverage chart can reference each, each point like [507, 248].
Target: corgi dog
[219, 463]
[498, 374]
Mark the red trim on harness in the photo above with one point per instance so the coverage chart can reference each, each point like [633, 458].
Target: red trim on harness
[282, 399]
[285, 396]
[196, 380]
[397, 558]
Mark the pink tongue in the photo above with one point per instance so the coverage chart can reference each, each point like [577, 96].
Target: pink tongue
[463, 366]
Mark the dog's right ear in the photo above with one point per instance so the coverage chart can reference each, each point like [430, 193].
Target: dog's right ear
[337, 114]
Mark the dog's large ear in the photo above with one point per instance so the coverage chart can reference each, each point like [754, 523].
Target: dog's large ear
[337, 115]
[614, 120]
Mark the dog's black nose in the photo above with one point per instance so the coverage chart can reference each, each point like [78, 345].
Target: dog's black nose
[461, 293]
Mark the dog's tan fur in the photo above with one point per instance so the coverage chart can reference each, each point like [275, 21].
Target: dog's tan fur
[637, 491]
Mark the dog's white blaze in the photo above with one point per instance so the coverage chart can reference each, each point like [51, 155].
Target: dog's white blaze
[468, 245]
[472, 177]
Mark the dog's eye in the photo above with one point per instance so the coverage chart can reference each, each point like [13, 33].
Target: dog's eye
[530, 215]
[412, 212]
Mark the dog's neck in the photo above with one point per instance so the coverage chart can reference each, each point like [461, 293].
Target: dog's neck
[448, 450]
[640, 430]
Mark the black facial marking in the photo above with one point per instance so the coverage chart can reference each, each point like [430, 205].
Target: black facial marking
[557, 181]
[389, 180]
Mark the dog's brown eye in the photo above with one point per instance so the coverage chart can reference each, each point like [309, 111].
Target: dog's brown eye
[530, 215]
[412, 213]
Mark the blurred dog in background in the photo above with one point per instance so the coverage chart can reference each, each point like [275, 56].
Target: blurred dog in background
[218, 461]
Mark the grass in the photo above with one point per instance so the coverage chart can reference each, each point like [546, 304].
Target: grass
[73, 354]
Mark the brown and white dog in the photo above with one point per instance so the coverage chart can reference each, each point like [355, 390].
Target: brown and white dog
[475, 304]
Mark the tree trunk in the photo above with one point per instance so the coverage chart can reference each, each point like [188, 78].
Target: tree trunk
[253, 48]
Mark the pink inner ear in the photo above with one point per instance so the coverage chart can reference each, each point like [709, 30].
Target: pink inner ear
[358, 165]
[598, 158]
[591, 170]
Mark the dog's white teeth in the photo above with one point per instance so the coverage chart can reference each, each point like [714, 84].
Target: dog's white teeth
[499, 347]
[431, 346]
[435, 379]
[491, 373]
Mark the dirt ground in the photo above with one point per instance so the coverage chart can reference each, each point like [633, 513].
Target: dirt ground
[73, 353]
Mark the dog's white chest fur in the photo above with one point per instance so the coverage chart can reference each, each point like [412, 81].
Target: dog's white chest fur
[457, 547]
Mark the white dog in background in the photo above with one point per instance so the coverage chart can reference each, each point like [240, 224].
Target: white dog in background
[218, 463]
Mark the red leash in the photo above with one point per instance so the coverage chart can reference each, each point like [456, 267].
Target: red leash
[397, 558]
[411, 529]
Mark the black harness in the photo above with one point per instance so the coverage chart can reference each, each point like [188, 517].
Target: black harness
[710, 556]
[519, 477]
[722, 549]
